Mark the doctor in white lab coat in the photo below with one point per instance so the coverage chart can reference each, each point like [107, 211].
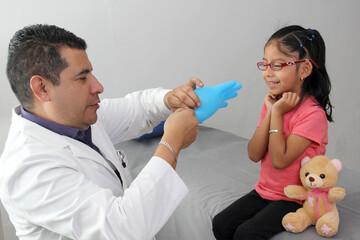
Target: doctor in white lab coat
[55, 186]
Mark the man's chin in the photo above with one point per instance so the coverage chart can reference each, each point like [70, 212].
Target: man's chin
[92, 119]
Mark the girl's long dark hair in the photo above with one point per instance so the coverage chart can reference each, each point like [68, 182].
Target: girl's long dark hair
[308, 43]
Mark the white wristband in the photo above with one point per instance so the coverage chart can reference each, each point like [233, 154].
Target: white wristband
[273, 131]
[170, 148]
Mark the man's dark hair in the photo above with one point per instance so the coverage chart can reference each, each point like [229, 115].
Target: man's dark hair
[35, 50]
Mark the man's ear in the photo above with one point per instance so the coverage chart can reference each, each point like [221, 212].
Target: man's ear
[306, 70]
[39, 86]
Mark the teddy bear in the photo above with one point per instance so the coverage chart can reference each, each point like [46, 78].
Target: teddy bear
[318, 176]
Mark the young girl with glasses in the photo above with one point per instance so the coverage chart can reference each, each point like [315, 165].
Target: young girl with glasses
[292, 125]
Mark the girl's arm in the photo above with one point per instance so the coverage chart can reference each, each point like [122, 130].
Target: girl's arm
[284, 152]
[258, 144]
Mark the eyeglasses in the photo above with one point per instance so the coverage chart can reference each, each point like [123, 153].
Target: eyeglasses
[276, 66]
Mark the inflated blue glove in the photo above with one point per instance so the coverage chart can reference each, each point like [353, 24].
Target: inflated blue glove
[212, 98]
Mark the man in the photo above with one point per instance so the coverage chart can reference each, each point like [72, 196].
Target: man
[60, 175]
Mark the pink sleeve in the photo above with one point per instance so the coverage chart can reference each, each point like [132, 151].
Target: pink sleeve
[262, 114]
[312, 125]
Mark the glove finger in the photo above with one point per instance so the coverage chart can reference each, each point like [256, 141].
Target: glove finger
[232, 89]
[236, 87]
[225, 86]
[223, 104]
[230, 95]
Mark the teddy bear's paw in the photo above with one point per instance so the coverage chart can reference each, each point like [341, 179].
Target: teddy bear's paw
[289, 227]
[291, 223]
[326, 231]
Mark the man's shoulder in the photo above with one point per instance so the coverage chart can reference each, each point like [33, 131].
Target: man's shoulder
[27, 145]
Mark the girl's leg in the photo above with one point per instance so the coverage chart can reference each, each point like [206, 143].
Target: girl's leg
[226, 222]
[267, 222]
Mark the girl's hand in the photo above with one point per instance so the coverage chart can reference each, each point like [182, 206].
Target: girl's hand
[269, 100]
[288, 101]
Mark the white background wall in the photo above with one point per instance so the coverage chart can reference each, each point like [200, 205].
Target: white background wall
[137, 44]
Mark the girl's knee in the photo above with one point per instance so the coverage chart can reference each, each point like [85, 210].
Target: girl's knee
[246, 232]
[217, 226]
[221, 228]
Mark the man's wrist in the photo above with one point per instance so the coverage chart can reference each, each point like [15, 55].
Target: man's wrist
[166, 100]
[174, 142]
[170, 148]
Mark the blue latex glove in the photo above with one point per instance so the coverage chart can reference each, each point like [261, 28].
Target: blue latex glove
[212, 98]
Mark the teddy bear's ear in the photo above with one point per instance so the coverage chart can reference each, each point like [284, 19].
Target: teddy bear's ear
[337, 164]
[305, 160]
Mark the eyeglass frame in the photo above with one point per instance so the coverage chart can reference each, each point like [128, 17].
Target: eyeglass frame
[285, 64]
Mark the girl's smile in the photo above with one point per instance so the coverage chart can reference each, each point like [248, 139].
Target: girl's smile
[272, 84]
[285, 80]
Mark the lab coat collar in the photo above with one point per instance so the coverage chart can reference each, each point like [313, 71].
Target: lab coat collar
[48, 137]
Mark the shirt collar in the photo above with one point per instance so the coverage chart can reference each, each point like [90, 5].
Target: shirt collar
[55, 127]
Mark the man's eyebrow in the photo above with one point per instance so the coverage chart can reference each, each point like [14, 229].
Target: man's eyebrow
[84, 71]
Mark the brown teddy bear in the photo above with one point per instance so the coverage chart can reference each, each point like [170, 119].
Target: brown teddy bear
[318, 176]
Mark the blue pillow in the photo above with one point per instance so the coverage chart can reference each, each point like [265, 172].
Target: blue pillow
[157, 131]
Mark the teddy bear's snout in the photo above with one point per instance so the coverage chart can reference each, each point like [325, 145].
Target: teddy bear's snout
[314, 181]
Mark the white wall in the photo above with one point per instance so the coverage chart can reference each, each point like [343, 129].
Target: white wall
[137, 44]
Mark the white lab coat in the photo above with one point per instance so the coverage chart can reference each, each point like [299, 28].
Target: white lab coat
[55, 187]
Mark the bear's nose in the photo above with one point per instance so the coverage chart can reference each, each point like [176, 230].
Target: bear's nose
[311, 179]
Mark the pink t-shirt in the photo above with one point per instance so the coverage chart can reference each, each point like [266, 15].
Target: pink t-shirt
[307, 120]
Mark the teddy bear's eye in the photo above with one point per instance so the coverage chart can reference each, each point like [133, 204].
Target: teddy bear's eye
[322, 176]
[307, 174]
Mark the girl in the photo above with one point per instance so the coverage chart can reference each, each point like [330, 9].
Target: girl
[292, 125]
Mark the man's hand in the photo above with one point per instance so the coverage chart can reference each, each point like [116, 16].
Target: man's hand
[180, 130]
[184, 96]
